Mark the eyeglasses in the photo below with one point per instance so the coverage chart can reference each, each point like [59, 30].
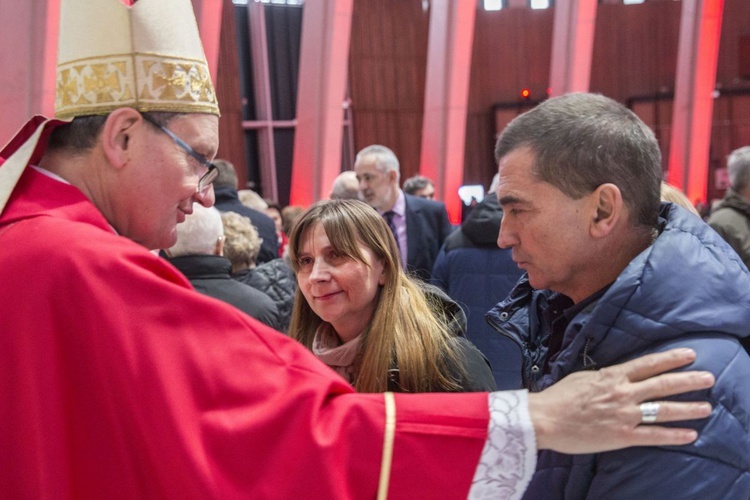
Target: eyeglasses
[206, 179]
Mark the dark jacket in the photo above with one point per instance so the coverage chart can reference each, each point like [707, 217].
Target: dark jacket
[275, 279]
[478, 274]
[209, 274]
[688, 289]
[228, 201]
[427, 226]
[731, 219]
[477, 376]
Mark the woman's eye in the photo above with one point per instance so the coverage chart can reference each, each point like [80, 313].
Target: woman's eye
[337, 256]
[304, 261]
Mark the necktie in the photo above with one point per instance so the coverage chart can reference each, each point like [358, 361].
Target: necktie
[388, 216]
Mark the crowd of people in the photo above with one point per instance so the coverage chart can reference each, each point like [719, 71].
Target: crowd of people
[188, 338]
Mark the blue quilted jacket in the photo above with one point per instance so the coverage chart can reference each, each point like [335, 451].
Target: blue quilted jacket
[688, 289]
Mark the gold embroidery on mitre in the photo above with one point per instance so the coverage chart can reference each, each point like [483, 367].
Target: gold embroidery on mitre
[102, 84]
[127, 96]
[66, 88]
[145, 95]
[185, 82]
[93, 86]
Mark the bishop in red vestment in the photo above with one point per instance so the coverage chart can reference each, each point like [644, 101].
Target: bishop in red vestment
[120, 381]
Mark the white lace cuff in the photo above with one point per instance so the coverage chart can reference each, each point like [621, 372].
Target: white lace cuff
[509, 456]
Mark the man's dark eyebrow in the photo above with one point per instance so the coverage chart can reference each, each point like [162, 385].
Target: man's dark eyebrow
[509, 200]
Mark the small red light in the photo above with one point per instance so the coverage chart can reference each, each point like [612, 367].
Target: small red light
[525, 93]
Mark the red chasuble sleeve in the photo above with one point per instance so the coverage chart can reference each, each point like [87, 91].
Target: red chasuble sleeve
[120, 381]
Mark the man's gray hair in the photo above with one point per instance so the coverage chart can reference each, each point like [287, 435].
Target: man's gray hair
[227, 174]
[738, 167]
[251, 199]
[581, 141]
[200, 232]
[345, 186]
[383, 157]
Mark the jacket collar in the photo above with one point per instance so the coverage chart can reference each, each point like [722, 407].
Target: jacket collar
[733, 200]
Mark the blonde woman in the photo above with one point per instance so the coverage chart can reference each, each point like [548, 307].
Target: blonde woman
[360, 314]
[674, 195]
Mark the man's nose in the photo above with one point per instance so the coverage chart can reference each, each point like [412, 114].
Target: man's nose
[504, 237]
[207, 198]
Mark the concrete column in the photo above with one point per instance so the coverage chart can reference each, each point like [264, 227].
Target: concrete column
[208, 16]
[263, 108]
[326, 30]
[572, 46]
[28, 36]
[449, 50]
[695, 82]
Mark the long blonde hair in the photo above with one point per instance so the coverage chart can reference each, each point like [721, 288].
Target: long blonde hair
[404, 332]
[674, 195]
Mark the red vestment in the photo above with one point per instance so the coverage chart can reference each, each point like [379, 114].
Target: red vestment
[118, 380]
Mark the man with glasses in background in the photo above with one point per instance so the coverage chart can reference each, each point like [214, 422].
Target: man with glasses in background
[119, 380]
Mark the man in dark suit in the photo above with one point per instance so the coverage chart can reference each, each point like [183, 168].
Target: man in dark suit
[225, 187]
[420, 225]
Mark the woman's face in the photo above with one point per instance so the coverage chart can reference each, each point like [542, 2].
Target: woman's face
[339, 289]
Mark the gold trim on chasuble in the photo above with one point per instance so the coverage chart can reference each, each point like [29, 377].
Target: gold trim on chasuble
[388, 438]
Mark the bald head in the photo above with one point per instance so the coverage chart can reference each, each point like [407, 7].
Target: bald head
[345, 186]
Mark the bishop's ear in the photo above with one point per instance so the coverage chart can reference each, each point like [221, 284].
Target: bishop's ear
[118, 132]
[608, 209]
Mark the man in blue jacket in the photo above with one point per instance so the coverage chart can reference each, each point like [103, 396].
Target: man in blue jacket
[612, 274]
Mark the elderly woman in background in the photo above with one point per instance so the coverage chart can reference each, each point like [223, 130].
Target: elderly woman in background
[274, 278]
[241, 243]
[360, 314]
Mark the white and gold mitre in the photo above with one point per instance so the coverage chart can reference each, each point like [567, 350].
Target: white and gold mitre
[147, 56]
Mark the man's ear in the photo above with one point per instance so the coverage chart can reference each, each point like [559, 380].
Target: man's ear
[117, 135]
[608, 209]
[393, 176]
